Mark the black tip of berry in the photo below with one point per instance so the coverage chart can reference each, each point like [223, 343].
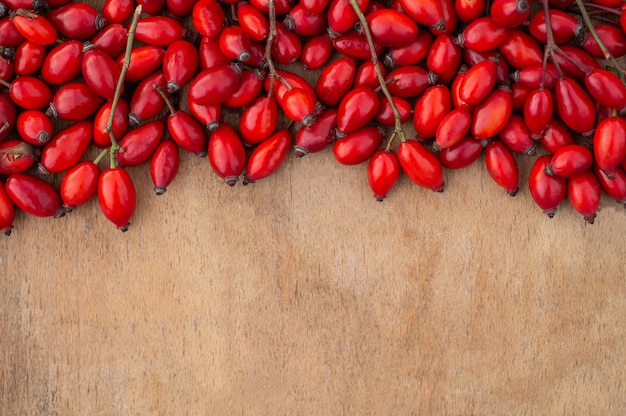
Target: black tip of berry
[159, 190]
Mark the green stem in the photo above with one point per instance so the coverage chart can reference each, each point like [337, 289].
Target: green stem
[120, 81]
[381, 79]
[101, 156]
[607, 54]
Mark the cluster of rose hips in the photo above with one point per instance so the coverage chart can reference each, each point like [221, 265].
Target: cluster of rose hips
[500, 78]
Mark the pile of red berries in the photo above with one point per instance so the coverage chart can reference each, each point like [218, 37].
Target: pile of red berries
[503, 78]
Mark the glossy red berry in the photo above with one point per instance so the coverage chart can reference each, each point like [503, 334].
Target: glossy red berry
[299, 105]
[66, 148]
[556, 135]
[186, 131]
[411, 53]
[570, 160]
[583, 193]
[420, 165]
[564, 27]
[34, 127]
[492, 114]
[502, 166]
[510, 13]
[208, 115]
[159, 30]
[268, 156]
[358, 146]
[383, 172]
[146, 102]
[30, 93]
[609, 144]
[478, 82]
[258, 121]
[235, 43]
[180, 64]
[79, 185]
[63, 63]
[34, 195]
[74, 101]
[547, 191]
[138, 145]
[385, 114]
[227, 154]
[7, 211]
[253, 21]
[444, 58]
[616, 187]
[117, 196]
[538, 110]
[78, 21]
[29, 57]
[520, 49]
[462, 154]
[303, 23]
[144, 60]
[164, 165]
[208, 17]
[318, 136]
[391, 28]
[100, 72]
[606, 88]
[356, 109]
[111, 39]
[34, 27]
[574, 106]
[409, 81]
[250, 86]
[482, 34]
[117, 11]
[516, 136]
[317, 52]
[120, 123]
[335, 81]
[430, 109]
[452, 128]
[214, 85]
[613, 38]
[427, 12]
[341, 16]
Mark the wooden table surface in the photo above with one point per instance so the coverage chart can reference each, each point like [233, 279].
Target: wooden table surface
[302, 295]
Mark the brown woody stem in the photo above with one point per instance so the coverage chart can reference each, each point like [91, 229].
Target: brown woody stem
[120, 83]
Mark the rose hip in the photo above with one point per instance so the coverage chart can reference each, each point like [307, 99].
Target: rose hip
[227, 154]
[34, 195]
[318, 136]
[502, 166]
[79, 185]
[383, 172]
[164, 165]
[358, 146]
[66, 148]
[138, 145]
[117, 196]
[7, 211]
[583, 193]
[547, 191]
[268, 156]
[420, 165]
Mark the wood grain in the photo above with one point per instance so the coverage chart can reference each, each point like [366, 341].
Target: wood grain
[301, 295]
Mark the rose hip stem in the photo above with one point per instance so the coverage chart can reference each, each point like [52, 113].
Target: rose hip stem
[120, 83]
[607, 54]
[381, 80]
[271, 4]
